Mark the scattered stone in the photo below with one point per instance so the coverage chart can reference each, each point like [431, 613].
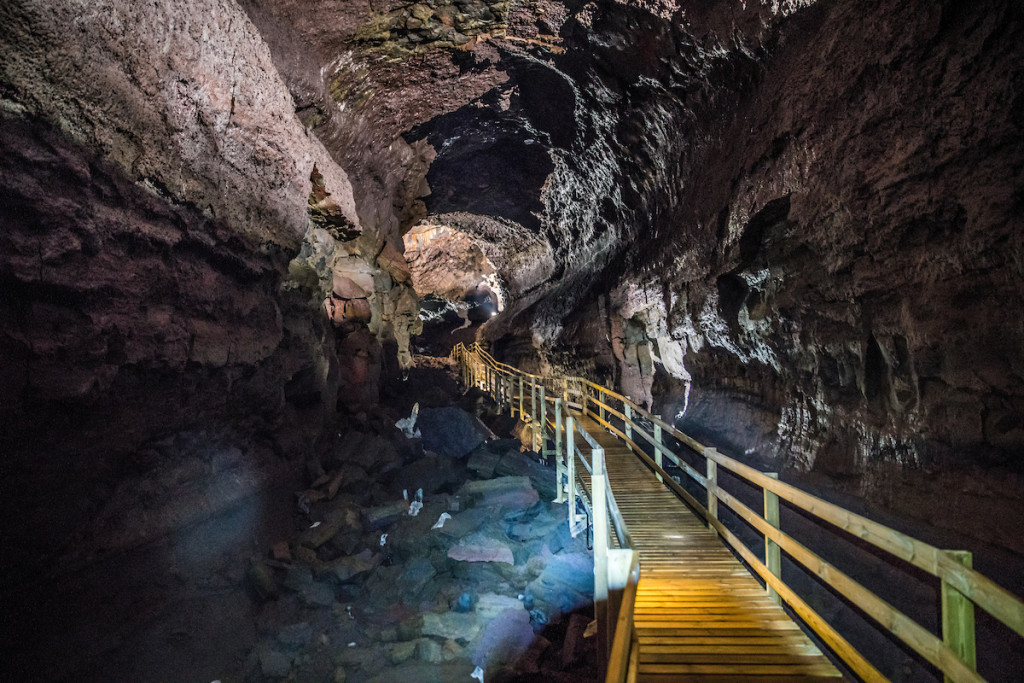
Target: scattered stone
[490, 605]
[346, 568]
[572, 648]
[481, 548]
[417, 573]
[385, 515]
[317, 595]
[482, 462]
[281, 552]
[530, 660]
[561, 537]
[298, 577]
[451, 650]
[401, 652]
[465, 602]
[508, 492]
[355, 656]
[295, 636]
[428, 650]
[565, 586]
[451, 431]
[262, 580]
[504, 640]
[464, 523]
[274, 664]
[541, 476]
[451, 625]
[333, 523]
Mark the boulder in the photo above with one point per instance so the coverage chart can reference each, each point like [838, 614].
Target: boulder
[463, 523]
[479, 547]
[503, 641]
[345, 569]
[507, 492]
[333, 523]
[385, 515]
[490, 605]
[565, 585]
[451, 431]
[274, 664]
[483, 461]
[457, 626]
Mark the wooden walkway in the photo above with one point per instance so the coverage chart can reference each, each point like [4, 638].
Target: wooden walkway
[699, 615]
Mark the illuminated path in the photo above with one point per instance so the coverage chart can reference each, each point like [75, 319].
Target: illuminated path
[699, 614]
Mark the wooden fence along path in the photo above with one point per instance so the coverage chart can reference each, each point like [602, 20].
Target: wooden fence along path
[698, 612]
[672, 602]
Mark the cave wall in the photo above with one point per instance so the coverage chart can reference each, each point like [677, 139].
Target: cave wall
[170, 232]
[813, 250]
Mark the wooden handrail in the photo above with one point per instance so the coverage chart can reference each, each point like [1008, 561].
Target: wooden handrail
[967, 586]
[606, 513]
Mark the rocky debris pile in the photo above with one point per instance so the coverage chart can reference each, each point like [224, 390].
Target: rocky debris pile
[437, 23]
[425, 565]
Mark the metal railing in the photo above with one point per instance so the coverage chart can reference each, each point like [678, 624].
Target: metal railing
[961, 587]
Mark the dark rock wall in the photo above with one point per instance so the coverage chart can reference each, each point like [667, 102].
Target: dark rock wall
[156, 186]
[807, 236]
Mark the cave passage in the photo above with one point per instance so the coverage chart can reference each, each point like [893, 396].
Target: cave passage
[242, 237]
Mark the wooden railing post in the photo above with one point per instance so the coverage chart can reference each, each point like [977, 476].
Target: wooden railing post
[712, 477]
[542, 427]
[508, 393]
[772, 554]
[570, 466]
[600, 407]
[521, 397]
[598, 482]
[657, 451]
[628, 423]
[560, 467]
[533, 400]
[958, 616]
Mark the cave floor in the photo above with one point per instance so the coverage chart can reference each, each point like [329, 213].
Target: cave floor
[255, 593]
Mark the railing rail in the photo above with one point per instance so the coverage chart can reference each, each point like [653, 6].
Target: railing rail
[616, 570]
[962, 588]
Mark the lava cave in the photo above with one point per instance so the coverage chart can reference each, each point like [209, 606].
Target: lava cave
[241, 239]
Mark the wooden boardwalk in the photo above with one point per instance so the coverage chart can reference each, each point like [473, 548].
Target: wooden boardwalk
[699, 614]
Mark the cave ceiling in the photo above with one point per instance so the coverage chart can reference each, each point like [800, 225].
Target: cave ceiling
[565, 122]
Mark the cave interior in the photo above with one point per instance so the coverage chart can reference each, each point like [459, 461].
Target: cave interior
[240, 239]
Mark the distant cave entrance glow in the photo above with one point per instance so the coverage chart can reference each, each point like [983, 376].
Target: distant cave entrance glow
[458, 286]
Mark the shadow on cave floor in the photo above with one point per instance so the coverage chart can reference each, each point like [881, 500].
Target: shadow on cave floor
[175, 608]
[329, 577]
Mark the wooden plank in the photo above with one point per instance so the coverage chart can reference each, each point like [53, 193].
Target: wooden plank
[816, 668]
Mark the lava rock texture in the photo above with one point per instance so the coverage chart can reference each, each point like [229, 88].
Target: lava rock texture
[793, 225]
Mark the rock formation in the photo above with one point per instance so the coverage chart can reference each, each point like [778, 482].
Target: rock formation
[795, 226]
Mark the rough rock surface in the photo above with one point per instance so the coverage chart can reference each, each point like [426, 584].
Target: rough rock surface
[170, 230]
[451, 430]
[794, 226]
